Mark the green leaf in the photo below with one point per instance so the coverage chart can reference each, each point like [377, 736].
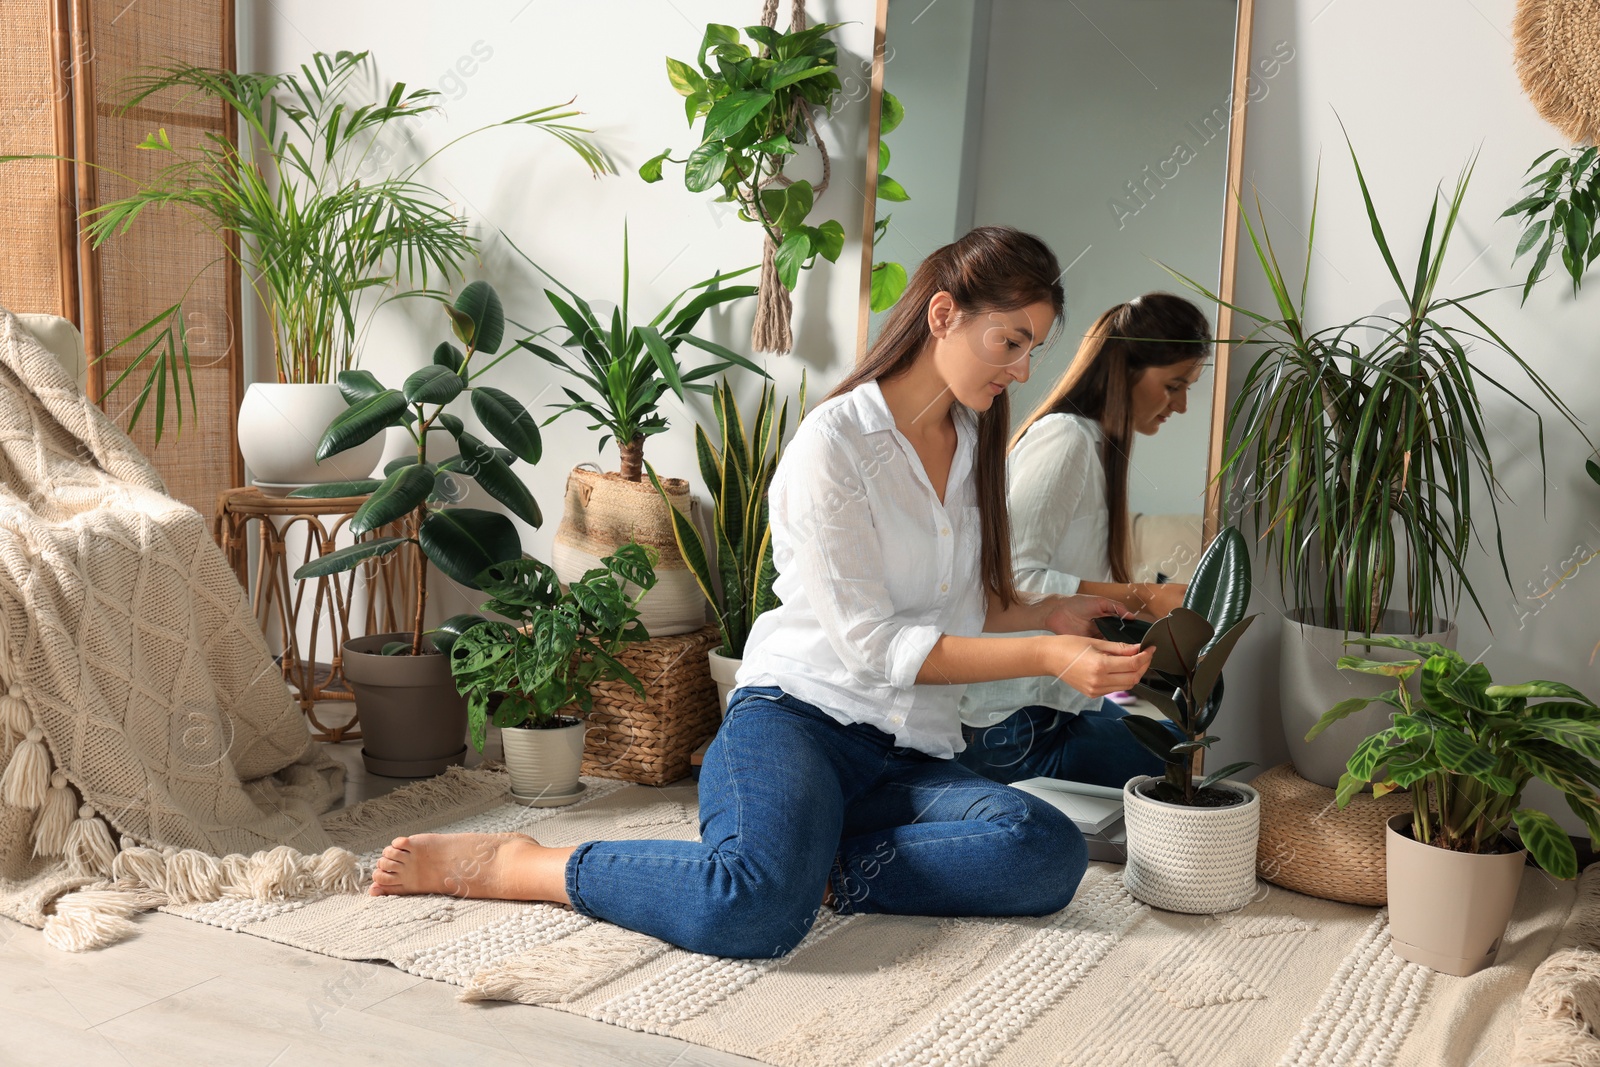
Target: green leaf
[505, 418]
[889, 189]
[1163, 702]
[1388, 668]
[358, 385]
[433, 384]
[361, 422]
[1349, 786]
[829, 240]
[705, 167]
[1461, 754]
[347, 559]
[1551, 847]
[400, 494]
[480, 462]
[797, 201]
[890, 115]
[444, 635]
[1220, 589]
[791, 258]
[1537, 689]
[464, 541]
[479, 305]
[684, 78]
[1216, 776]
[1370, 755]
[1216, 655]
[733, 112]
[1337, 712]
[889, 280]
[448, 355]
[650, 169]
[1575, 734]
[334, 490]
[1157, 739]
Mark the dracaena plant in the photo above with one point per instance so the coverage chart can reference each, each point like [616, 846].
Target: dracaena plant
[734, 570]
[1358, 448]
[327, 229]
[549, 645]
[1466, 748]
[628, 367]
[414, 491]
[756, 102]
[1185, 679]
[1560, 211]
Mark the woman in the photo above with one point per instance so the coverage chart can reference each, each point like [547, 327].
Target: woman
[1071, 529]
[830, 781]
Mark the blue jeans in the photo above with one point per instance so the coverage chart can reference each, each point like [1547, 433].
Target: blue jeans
[1038, 742]
[790, 800]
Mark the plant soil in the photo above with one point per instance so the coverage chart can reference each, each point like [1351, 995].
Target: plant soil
[1211, 797]
[555, 722]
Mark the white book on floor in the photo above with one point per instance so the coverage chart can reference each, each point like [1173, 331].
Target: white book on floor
[1092, 807]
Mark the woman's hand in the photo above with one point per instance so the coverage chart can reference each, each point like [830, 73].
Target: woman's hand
[1075, 615]
[1094, 667]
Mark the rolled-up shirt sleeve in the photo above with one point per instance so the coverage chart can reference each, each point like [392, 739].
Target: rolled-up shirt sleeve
[1048, 473]
[824, 537]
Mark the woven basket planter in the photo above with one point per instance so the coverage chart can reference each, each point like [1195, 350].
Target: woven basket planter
[650, 741]
[1194, 860]
[1310, 845]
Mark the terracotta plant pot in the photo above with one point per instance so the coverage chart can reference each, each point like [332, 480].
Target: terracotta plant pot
[603, 511]
[724, 669]
[1193, 860]
[1309, 683]
[1448, 910]
[413, 722]
[544, 763]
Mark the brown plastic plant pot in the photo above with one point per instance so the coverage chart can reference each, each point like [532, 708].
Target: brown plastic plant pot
[413, 722]
[1448, 910]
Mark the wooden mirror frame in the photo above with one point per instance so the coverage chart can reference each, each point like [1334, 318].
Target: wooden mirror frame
[1230, 239]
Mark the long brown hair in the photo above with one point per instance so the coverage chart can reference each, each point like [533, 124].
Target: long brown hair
[992, 268]
[1153, 330]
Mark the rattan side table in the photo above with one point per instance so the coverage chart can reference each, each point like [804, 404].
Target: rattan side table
[281, 604]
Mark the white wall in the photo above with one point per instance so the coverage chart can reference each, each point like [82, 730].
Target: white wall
[1420, 87]
[497, 59]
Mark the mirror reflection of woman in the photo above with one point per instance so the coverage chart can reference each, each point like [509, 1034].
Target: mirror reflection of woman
[1072, 533]
[831, 780]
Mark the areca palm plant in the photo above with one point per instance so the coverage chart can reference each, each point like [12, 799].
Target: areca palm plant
[1359, 449]
[628, 367]
[322, 221]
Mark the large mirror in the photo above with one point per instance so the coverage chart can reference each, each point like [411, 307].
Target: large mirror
[1107, 127]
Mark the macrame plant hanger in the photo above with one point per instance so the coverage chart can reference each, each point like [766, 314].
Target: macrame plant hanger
[774, 308]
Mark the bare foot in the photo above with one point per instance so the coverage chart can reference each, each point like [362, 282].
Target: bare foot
[478, 866]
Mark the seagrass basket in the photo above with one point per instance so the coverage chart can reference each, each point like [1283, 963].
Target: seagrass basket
[649, 741]
[1310, 845]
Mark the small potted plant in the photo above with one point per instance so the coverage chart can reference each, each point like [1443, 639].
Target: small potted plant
[531, 675]
[738, 474]
[1466, 749]
[1191, 839]
[412, 721]
[624, 369]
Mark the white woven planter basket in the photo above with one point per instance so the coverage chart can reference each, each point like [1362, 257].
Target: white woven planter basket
[1194, 860]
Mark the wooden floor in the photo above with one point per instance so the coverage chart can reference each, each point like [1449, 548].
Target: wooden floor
[183, 993]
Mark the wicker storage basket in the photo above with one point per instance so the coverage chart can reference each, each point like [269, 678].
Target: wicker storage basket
[649, 741]
[1308, 844]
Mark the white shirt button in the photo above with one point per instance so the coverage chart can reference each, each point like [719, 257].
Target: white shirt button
[945, 532]
[897, 720]
[944, 587]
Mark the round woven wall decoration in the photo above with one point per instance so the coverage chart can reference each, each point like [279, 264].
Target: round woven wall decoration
[1558, 60]
[1310, 845]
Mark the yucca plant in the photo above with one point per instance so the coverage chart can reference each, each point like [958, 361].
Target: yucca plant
[1185, 680]
[327, 231]
[735, 571]
[462, 542]
[1467, 748]
[629, 367]
[1356, 447]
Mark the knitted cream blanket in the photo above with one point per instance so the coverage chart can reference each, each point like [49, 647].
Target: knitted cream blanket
[139, 705]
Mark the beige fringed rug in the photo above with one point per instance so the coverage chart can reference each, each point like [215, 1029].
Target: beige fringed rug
[1286, 980]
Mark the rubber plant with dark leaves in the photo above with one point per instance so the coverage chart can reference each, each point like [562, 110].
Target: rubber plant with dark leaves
[1185, 679]
[1467, 748]
[461, 542]
[550, 645]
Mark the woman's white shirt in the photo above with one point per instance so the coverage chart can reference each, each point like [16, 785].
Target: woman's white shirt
[1060, 526]
[872, 568]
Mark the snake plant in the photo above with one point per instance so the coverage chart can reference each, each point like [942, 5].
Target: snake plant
[1466, 748]
[737, 472]
[1185, 678]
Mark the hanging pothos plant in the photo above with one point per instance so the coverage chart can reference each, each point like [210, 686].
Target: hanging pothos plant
[756, 101]
[888, 278]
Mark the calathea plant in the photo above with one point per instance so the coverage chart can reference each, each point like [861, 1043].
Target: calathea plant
[1185, 680]
[462, 542]
[1467, 748]
[549, 645]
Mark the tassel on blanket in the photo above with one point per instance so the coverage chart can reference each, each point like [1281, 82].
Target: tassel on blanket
[54, 822]
[90, 849]
[15, 722]
[27, 776]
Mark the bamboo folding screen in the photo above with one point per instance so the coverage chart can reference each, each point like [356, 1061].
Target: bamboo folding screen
[63, 71]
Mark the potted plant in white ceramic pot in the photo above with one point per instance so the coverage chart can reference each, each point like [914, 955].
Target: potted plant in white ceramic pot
[1466, 749]
[735, 571]
[413, 723]
[1357, 449]
[625, 368]
[323, 231]
[531, 675]
[1191, 839]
